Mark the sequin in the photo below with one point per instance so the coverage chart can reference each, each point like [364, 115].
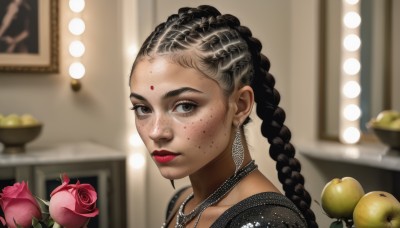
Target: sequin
[267, 210]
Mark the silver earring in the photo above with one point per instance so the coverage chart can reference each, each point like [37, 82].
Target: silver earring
[172, 183]
[237, 150]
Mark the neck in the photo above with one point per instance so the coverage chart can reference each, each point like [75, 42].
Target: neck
[182, 218]
[205, 181]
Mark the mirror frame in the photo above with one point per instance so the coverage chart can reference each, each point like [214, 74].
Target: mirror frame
[387, 77]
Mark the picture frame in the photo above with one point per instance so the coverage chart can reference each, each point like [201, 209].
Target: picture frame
[34, 35]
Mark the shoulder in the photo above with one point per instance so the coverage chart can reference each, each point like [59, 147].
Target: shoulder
[265, 209]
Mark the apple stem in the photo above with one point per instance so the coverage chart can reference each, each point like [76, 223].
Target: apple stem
[349, 223]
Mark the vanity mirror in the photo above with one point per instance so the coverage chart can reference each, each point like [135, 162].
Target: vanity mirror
[375, 55]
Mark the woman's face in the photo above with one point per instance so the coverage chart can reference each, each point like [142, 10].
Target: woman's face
[182, 116]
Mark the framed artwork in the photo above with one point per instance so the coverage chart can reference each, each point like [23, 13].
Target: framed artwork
[29, 36]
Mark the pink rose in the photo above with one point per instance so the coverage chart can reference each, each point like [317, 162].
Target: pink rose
[19, 205]
[72, 205]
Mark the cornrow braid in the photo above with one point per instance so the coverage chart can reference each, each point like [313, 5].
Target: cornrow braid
[203, 39]
[221, 48]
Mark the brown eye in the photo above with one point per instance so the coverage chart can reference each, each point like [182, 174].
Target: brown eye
[185, 107]
[141, 110]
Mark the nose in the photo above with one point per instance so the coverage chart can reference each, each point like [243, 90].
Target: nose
[161, 130]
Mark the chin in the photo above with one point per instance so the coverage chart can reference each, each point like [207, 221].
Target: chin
[171, 174]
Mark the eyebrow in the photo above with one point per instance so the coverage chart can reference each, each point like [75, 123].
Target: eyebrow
[169, 94]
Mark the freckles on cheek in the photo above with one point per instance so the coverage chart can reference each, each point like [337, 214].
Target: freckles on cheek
[205, 134]
[140, 128]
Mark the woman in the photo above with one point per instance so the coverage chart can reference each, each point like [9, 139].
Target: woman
[193, 86]
[14, 27]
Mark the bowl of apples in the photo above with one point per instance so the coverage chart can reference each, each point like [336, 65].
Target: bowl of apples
[386, 127]
[18, 130]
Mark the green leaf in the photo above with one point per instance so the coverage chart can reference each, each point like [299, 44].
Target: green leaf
[43, 204]
[50, 222]
[336, 224]
[35, 221]
[38, 225]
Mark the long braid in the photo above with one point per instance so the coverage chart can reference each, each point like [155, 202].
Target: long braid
[273, 128]
[222, 49]
[278, 135]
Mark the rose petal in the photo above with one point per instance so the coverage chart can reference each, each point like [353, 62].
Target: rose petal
[67, 218]
[3, 221]
[85, 197]
[92, 214]
[63, 186]
[21, 211]
[61, 208]
[62, 199]
[17, 192]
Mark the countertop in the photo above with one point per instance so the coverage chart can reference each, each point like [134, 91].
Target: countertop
[62, 153]
[373, 154]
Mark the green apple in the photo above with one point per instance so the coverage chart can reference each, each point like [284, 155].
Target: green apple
[386, 117]
[28, 120]
[340, 196]
[395, 125]
[377, 209]
[11, 120]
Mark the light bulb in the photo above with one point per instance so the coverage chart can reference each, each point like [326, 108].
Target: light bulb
[132, 50]
[351, 135]
[352, 42]
[351, 66]
[136, 160]
[351, 89]
[76, 26]
[352, 112]
[135, 140]
[352, 20]
[77, 6]
[77, 70]
[352, 2]
[76, 48]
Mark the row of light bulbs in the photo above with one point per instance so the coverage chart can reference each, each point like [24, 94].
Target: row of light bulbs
[76, 27]
[350, 78]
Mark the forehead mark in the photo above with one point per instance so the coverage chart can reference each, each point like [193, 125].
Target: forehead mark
[152, 87]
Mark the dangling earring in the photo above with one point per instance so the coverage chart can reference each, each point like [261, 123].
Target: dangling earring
[172, 183]
[237, 150]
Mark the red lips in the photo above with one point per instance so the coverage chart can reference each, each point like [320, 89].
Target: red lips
[163, 156]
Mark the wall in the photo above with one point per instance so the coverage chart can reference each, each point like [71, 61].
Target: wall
[395, 54]
[95, 113]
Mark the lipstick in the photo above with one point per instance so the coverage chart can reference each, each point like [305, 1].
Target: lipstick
[163, 156]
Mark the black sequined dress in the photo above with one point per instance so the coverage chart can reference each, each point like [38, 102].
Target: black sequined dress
[267, 209]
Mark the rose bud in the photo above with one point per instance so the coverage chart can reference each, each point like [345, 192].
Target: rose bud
[72, 205]
[19, 205]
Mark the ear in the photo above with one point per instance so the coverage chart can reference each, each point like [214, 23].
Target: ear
[244, 101]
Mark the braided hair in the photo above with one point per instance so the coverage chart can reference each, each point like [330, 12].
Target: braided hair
[221, 48]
